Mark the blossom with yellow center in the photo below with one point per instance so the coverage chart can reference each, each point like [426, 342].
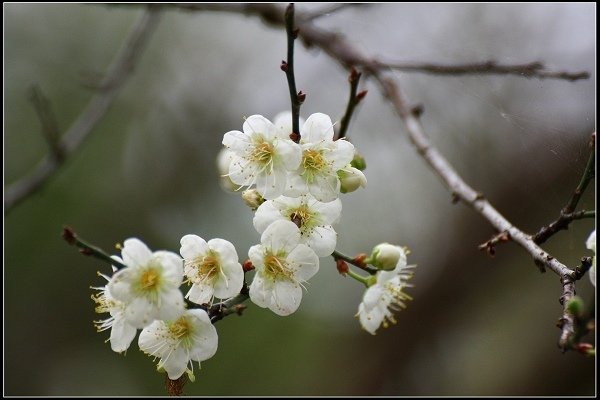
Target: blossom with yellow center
[149, 285]
[212, 268]
[282, 265]
[189, 337]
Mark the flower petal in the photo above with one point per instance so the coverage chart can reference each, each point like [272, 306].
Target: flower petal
[121, 335]
[281, 235]
[171, 305]
[271, 185]
[237, 142]
[200, 293]
[192, 246]
[318, 127]
[175, 363]
[139, 312]
[206, 340]
[329, 213]
[172, 267]
[288, 153]
[135, 253]
[259, 125]
[304, 262]
[266, 214]
[286, 297]
[325, 188]
[322, 240]
[261, 291]
[341, 154]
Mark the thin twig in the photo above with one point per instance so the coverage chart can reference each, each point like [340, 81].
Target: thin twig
[568, 214]
[353, 101]
[84, 125]
[231, 306]
[530, 70]
[288, 67]
[328, 10]
[88, 249]
[356, 261]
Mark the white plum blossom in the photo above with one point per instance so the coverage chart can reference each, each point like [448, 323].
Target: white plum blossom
[383, 297]
[262, 155]
[121, 332]
[313, 217]
[591, 245]
[322, 158]
[149, 285]
[189, 337]
[212, 268]
[223, 162]
[282, 265]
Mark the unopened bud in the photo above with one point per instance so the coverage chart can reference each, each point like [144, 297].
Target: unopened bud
[387, 256]
[358, 162]
[351, 179]
[575, 306]
[247, 265]
[301, 96]
[341, 266]
[252, 198]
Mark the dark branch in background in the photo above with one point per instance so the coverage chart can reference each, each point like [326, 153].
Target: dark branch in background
[297, 98]
[89, 250]
[48, 121]
[353, 101]
[529, 70]
[568, 214]
[326, 11]
[84, 125]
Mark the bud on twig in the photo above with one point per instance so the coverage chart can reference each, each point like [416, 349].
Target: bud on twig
[301, 96]
[284, 66]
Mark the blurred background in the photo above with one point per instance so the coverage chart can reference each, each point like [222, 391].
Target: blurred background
[477, 325]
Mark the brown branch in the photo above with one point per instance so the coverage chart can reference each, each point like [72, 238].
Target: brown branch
[353, 100]
[530, 70]
[84, 125]
[568, 214]
[47, 119]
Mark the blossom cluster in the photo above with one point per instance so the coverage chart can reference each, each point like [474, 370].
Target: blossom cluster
[294, 189]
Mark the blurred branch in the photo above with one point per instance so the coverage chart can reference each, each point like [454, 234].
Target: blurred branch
[48, 122]
[312, 15]
[84, 125]
[534, 69]
[353, 101]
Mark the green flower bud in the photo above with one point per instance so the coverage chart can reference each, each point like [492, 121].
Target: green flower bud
[351, 179]
[358, 162]
[575, 306]
[387, 256]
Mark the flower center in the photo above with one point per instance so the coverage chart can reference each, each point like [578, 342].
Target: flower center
[181, 330]
[206, 267]
[262, 154]
[276, 267]
[301, 216]
[149, 279]
[313, 163]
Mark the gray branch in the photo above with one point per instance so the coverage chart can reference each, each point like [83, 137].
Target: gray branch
[83, 126]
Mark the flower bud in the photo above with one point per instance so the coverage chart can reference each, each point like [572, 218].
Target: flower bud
[252, 198]
[575, 306]
[358, 162]
[351, 179]
[386, 256]
[223, 161]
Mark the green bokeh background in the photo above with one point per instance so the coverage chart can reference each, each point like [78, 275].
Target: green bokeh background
[477, 325]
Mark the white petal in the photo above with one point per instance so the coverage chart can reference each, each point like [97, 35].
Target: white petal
[242, 172]
[322, 240]
[206, 340]
[271, 185]
[230, 283]
[325, 188]
[171, 305]
[286, 297]
[237, 142]
[288, 153]
[257, 124]
[172, 267]
[192, 246]
[256, 254]
[591, 242]
[135, 253]
[139, 312]
[261, 291]
[200, 293]
[342, 154]
[370, 320]
[119, 286]
[372, 296]
[121, 335]
[151, 340]
[266, 214]
[281, 235]
[304, 262]
[318, 127]
[296, 185]
[329, 213]
[175, 363]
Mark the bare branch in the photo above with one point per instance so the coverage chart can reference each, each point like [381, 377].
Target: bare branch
[48, 120]
[530, 70]
[328, 10]
[83, 126]
[353, 101]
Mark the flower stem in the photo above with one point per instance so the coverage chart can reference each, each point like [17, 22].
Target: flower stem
[288, 67]
[339, 256]
[362, 279]
[89, 250]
